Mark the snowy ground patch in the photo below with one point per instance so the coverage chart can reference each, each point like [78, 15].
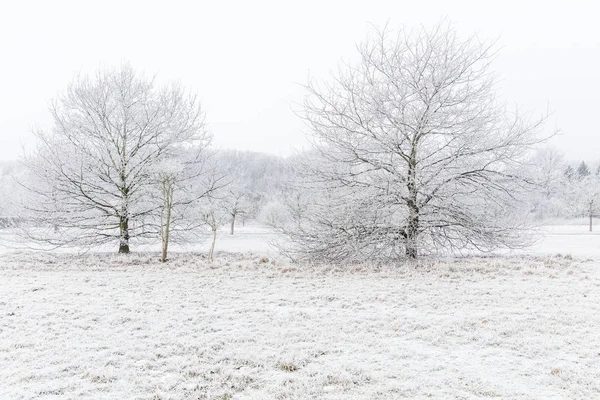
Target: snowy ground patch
[568, 237]
[250, 327]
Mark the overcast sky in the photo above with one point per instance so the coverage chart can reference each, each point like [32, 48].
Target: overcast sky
[248, 59]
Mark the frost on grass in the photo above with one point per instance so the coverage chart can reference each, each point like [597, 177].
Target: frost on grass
[103, 326]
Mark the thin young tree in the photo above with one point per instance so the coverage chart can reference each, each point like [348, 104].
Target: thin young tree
[213, 215]
[413, 152]
[238, 203]
[109, 130]
[584, 197]
[183, 181]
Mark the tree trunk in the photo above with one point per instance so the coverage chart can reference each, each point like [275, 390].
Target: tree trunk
[412, 227]
[124, 217]
[591, 213]
[123, 235]
[163, 254]
[165, 216]
[232, 223]
[212, 246]
[411, 233]
[165, 235]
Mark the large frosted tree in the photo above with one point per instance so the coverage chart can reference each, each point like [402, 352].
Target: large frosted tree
[90, 175]
[413, 153]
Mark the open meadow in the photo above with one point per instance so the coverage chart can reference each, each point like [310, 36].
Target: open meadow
[254, 326]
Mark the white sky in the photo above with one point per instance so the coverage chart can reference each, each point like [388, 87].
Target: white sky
[246, 59]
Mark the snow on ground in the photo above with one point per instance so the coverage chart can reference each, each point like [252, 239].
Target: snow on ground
[568, 237]
[101, 326]
[249, 238]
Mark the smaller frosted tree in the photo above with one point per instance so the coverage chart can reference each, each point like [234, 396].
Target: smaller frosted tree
[273, 214]
[586, 197]
[569, 173]
[547, 168]
[183, 181]
[583, 170]
[238, 202]
[9, 193]
[213, 215]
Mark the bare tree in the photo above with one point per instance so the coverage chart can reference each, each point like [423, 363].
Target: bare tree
[584, 196]
[214, 215]
[183, 182]
[238, 202]
[167, 180]
[109, 130]
[583, 170]
[9, 193]
[547, 167]
[413, 152]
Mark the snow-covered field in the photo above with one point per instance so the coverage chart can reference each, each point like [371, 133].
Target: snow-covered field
[102, 326]
[574, 239]
[249, 238]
